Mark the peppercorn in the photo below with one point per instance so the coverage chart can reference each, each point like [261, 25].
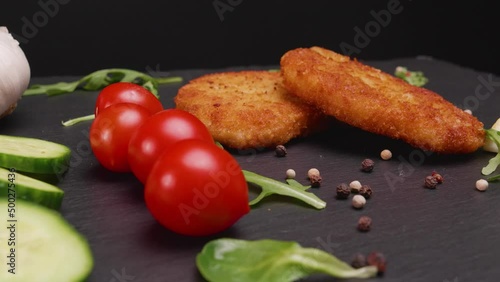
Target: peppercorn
[481, 185]
[280, 151]
[358, 201]
[386, 155]
[430, 182]
[358, 261]
[290, 173]
[355, 186]
[364, 223]
[312, 172]
[367, 165]
[343, 191]
[366, 191]
[438, 177]
[315, 180]
[377, 259]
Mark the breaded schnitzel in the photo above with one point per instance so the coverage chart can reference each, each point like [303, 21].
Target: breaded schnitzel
[247, 109]
[367, 98]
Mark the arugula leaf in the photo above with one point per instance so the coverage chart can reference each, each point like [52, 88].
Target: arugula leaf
[270, 186]
[416, 78]
[100, 79]
[74, 121]
[493, 178]
[97, 81]
[226, 259]
[495, 161]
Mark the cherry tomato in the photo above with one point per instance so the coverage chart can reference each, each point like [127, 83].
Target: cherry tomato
[196, 188]
[110, 133]
[127, 92]
[161, 131]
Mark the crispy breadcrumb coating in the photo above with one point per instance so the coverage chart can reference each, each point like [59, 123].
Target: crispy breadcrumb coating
[367, 98]
[247, 109]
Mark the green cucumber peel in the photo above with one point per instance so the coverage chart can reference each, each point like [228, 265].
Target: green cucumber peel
[47, 247]
[493, 163]
[14, 185]
[293, 189]
[33, 155]
[416, 78]
[227, 259]
[100, 79]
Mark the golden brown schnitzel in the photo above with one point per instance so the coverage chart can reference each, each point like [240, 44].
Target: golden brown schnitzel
[372, 100]
[247, 109]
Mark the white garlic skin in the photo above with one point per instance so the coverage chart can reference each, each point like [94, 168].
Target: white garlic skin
[15, 71]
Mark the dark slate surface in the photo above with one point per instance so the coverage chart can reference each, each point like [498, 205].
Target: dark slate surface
[448, 234]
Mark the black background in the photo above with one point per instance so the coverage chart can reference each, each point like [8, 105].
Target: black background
[75, 37]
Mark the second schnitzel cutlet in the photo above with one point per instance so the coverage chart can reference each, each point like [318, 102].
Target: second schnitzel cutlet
[248, 109]
[367, 98]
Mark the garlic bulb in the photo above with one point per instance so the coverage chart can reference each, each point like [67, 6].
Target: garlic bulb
[14, 72]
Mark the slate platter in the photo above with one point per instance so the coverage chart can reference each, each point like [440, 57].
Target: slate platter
[447, 234]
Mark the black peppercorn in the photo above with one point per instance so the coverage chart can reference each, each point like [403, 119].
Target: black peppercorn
[438, 177]
[367, 165]
[377, 259]
[280, 151]
[343, 191]
[430, 182]
[315, 180]
[366, 191]
[364, 224]
[358, 261]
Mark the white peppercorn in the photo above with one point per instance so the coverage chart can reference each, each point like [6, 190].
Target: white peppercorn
[481, 185]
[312, 172]
[355, 186]
[358, 201]
[386, 155]
[290, 173]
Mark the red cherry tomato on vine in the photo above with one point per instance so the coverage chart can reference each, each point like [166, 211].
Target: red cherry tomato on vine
[160, 132]
[127, 92]
[110, 133]
[196, 189]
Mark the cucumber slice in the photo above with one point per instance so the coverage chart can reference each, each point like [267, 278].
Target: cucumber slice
[41, 246]
[14, 184]
[33, 155]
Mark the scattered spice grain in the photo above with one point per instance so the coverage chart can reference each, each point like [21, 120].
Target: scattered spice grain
[343, 191]
[366, 191]
[367, 165]
[364, 223]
